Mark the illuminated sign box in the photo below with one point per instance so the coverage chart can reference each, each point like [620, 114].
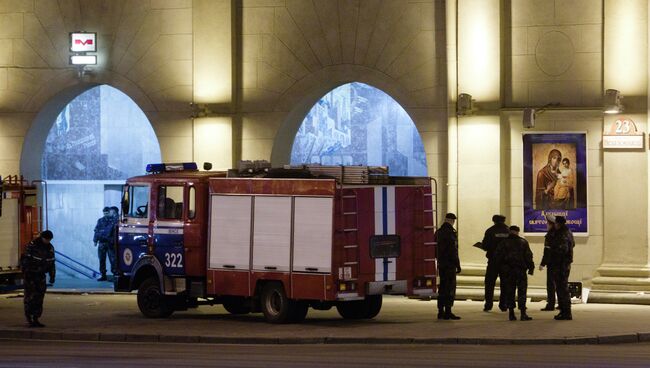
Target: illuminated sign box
[83, 42]
[623, 141]
[83, 59]
[623, 134]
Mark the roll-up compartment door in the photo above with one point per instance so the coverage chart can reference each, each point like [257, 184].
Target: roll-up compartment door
[230, 232]
[312, 240]
[272, 233]
[9, 242]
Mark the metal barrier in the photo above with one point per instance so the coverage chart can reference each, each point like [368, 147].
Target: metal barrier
[76, 265]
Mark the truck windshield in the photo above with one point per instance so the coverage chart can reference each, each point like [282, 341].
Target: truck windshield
[136, 201]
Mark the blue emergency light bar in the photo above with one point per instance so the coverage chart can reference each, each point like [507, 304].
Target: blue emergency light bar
[181, 166]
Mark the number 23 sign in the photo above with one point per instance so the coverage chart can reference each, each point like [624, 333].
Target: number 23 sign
[623, 134]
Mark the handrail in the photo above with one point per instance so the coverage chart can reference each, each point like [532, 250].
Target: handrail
[94, 273]
[90, 276]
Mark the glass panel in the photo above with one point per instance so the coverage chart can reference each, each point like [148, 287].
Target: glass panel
[385, 246]
[170, 202]
[357, 124]
[138, 197]
[192, 205]
[100, 135]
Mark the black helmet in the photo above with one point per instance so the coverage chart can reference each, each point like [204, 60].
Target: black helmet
[47, 234]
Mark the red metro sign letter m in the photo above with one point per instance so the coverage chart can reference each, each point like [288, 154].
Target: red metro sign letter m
[83, 42]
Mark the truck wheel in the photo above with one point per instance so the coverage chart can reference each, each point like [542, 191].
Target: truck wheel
[276, 306]
[352, 310]
[373, 303]
[236, 305]
[361, 309]
[299, 311]
[152, 301]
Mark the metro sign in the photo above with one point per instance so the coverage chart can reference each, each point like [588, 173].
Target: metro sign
[83, 42]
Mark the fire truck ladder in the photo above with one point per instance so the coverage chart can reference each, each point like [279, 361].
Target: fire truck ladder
[432, 200]
[350, 230]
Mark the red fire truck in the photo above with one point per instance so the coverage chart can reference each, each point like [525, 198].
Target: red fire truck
[19, 223]
[275, 240]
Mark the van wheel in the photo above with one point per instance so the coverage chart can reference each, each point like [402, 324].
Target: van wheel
[236, 305]
[151, 301]
[277, 308]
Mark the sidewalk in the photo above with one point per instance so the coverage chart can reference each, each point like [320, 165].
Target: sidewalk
[102, 317]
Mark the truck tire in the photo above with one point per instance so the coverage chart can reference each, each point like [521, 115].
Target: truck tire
[276, 306]
[373, 306]
[299, 311]
[236, 305]
[151, 301]
[352, 310]
[360, 309]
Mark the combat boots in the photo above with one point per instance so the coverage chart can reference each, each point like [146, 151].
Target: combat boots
[564, 316]
[449, 315]
[548, 307]
[511, 314]
[103, 278]
[524, 316]
[441, 313]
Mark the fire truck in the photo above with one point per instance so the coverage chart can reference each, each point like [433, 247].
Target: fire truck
[275, 240]
[19, 223]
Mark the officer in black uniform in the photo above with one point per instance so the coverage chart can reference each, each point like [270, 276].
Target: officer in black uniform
[37, 260]
[550, 284]
[103, 240]
[515, 258]
[560, 259]
[448, 266]
[493, 236]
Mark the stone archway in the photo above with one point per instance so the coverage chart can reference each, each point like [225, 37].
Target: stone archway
[85, 142]
[300, 98]
[359, 124]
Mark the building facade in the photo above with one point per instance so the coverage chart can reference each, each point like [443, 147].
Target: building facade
[224, 80]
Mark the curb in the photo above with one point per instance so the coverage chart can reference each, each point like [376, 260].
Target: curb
[185, 339]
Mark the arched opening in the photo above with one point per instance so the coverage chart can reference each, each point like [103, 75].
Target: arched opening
[357, 124]
[88, 147]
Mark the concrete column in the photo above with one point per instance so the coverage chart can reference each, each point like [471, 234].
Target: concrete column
[624, 272]
[213, 81]
[478, 144]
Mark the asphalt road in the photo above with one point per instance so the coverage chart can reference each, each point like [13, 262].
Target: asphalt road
[34, 353]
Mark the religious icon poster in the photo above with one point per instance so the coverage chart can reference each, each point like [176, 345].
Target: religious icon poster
[555, 180]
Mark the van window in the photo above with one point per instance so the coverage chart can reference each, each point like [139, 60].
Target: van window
[170, 202]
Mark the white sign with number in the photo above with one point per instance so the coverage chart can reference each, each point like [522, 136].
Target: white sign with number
[622, 134]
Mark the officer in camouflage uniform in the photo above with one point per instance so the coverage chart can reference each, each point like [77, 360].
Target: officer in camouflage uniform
[448, 266]
[514, 257]
[493, 236]
[103, 240]
[37, 260]
[560, 257]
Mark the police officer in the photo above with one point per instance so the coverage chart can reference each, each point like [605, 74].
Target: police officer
[550, 284]
[494, 235]
[559, 264]
[448, 266]
[515, 257]
[37, 260]
[103, 240]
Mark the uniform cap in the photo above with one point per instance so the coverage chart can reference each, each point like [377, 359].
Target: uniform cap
[450, 216]
[106, 209]
[514, 228]
[550, 218]
[560, 219]
[498, 218]
[47, 234]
